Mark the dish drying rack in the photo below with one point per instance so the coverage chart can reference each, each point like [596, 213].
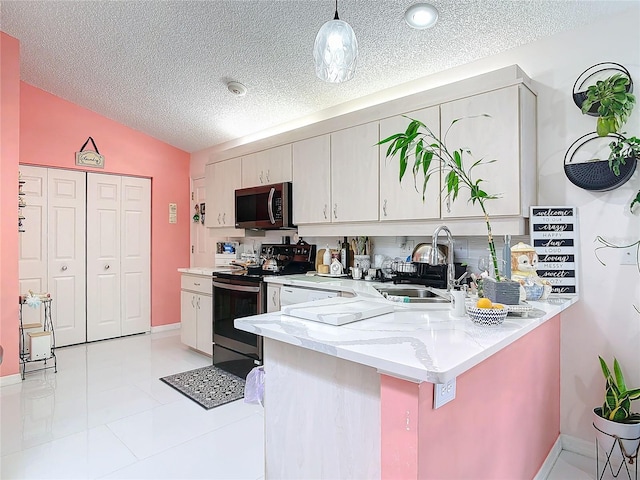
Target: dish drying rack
[423, 274]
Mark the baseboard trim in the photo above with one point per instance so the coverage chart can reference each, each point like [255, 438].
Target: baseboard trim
[550, 461]
[578, 445]
[165, 328]
[10, 380]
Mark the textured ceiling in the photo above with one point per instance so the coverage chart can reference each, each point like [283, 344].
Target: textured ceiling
[161, 67]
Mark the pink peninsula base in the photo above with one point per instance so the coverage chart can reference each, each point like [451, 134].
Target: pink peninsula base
[502, 424]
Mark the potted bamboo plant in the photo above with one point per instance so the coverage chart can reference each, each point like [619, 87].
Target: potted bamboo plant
[614, 421]
[430, 154]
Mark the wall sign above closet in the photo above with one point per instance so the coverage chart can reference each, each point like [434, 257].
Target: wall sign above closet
[89, 158]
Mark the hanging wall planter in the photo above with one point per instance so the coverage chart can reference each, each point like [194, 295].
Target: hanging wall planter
[599, 71]
[591, 173]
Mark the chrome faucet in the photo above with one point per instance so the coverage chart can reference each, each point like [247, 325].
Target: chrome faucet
[451, 274]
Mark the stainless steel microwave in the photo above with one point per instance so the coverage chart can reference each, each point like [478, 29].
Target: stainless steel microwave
[266, 207]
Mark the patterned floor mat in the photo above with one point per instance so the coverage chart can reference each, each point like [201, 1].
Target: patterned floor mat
[208, 386]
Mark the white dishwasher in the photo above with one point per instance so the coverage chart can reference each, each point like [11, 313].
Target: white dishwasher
[292, 295]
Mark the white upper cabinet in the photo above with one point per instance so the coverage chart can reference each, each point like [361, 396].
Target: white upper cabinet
[312, 180]
[403, 200]
[506, 136]
[354, 174]
[267, 166]
[222, 180]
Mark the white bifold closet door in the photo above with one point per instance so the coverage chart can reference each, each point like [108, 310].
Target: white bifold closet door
[52, 249]
[118, 256]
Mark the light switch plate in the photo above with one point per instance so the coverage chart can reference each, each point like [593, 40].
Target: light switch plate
[628, 256]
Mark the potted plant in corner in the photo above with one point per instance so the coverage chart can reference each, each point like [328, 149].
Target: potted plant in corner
[614, 422]
[419, 142]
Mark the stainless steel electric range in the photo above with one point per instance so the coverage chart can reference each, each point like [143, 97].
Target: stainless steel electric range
[243, 293]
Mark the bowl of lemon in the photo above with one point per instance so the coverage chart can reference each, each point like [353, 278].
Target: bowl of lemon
[485, 312]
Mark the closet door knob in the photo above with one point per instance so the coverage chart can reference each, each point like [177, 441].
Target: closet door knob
[106, 267]
[64, 268]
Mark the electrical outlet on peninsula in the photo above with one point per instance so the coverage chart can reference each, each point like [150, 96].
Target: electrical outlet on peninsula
[444, 393]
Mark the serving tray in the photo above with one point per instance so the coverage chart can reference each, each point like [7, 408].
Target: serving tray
[338, 310]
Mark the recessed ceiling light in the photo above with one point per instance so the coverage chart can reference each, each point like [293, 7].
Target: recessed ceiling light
[421, 16]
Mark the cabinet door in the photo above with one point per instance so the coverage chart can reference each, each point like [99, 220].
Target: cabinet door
[204, 339]
[354, 174]
[103, 256]
[494, 138]
[403, 200]
[273, 298]
[312, 180]
[66, 214]
[188, 321]
[222, 180]
[267, 166]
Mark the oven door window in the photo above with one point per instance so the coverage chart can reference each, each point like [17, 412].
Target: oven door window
[227, 306]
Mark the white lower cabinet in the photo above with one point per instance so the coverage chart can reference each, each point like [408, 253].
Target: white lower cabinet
[196, 316]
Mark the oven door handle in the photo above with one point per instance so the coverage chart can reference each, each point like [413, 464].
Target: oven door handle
[236, 288]
[272, 217]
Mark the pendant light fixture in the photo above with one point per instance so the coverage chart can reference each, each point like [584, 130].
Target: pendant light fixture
[335, 51]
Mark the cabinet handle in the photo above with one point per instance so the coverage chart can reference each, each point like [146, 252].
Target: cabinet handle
[196, 284]
[224, 218]
[273, 298]
[193, 301]
[64, 268]
[198, 303]
[448, 204]
[106, 267]
[324, 211]
[268, 177]
[335, 211]
[384, 207]
[261, 177]
[218, 219]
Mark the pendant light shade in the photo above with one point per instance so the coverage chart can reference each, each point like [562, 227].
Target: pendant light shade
[335, 51]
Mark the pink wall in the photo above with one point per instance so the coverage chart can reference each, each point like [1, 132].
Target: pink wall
[9, 154]
[53, 129]
[502, 424]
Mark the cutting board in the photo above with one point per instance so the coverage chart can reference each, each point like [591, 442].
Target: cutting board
[338, 310]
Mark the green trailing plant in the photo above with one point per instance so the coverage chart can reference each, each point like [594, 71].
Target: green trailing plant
[430, 154]
[613, 101]
[618, 398]
[622, 149]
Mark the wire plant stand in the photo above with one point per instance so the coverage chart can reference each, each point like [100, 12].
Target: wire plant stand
[47, 328]
[629, 459]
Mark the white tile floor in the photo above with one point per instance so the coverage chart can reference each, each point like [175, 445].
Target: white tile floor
[106, 414]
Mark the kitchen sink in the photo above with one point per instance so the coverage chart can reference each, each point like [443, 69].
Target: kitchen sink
[413, 294]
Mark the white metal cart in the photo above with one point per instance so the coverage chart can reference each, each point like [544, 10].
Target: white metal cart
[37, 340]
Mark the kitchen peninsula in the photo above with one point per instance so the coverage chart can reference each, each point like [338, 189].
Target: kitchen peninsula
[356, 401]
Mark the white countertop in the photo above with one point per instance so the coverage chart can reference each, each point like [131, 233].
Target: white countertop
[206, 271]
[414, 343]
